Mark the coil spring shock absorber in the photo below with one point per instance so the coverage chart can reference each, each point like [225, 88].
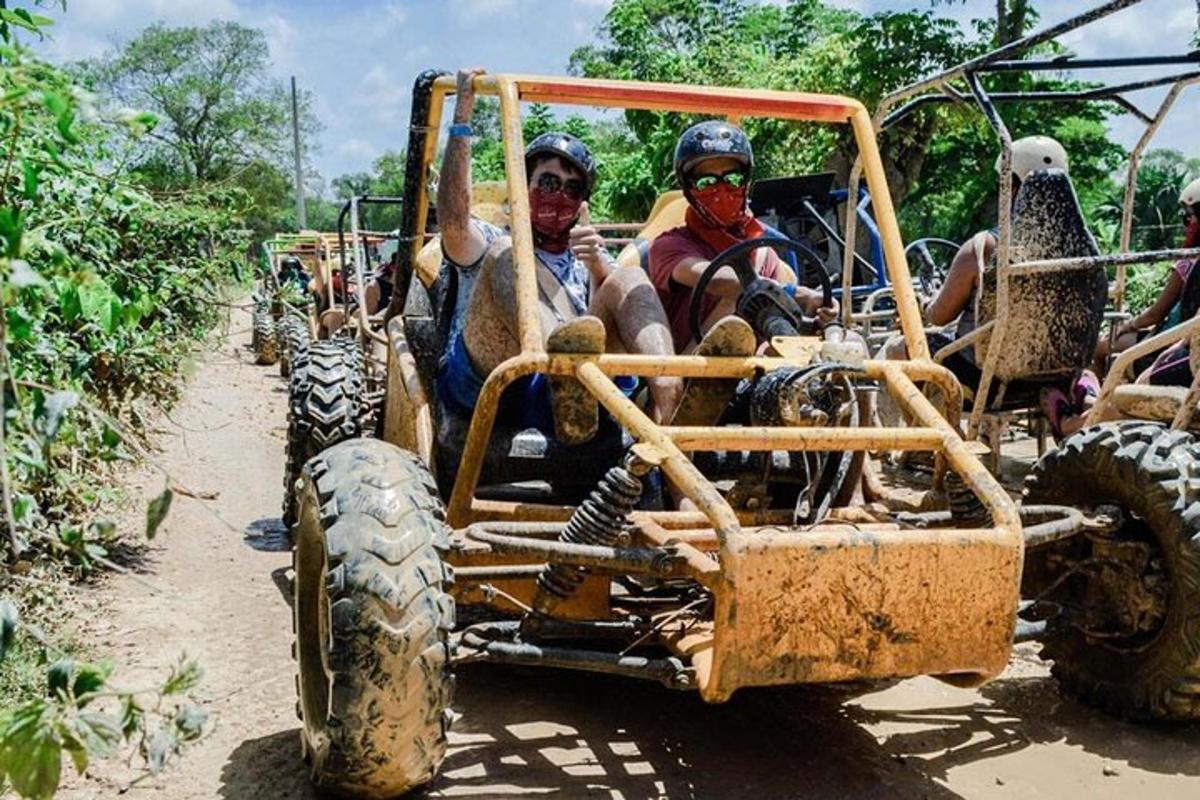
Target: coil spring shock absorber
[599, 520]
[965, 507]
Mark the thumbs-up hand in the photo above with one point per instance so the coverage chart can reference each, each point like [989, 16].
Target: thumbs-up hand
[588, 244]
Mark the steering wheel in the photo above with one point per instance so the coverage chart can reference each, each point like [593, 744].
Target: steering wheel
[934, 257]
[761, 299]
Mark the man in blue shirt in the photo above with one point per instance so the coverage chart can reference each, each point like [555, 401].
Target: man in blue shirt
[587, 303]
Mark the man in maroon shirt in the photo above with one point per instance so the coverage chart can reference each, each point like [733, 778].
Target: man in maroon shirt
[713, 163]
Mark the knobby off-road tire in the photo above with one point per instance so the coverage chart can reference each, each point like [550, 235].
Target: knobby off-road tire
[1153, 475]
[293, 335]
[262, 337]
[326, 405]
[373, 618]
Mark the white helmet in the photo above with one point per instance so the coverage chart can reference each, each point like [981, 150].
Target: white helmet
[1033, 153]
[1190, 195]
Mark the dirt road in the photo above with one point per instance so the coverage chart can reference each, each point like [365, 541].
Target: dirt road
[223, 598]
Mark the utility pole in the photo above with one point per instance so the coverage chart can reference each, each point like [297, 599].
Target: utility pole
[301, 214]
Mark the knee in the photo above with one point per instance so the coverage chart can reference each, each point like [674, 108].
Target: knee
[627, 289]
[623, 280]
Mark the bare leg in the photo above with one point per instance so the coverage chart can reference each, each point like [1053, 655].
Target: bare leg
[633, 317]
[1104, 351]
[491, 337]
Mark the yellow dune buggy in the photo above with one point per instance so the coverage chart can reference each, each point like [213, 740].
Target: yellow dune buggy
[450, 541]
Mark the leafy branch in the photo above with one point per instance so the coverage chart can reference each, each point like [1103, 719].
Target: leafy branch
[85, 715]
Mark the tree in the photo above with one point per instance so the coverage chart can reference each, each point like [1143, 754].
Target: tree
[805, 44]
[219, 109]
[351, 184]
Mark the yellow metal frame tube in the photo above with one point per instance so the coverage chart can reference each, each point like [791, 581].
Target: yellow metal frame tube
[889, 233]
[760, 439]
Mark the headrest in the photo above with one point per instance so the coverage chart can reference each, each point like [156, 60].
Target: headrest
[1047, 222]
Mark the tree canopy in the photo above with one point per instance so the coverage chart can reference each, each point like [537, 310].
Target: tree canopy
[220, 109]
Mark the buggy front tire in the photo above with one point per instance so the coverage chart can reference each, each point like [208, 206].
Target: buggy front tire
[1147, 665]
[327, 404]
[262, 337]
[373, 615]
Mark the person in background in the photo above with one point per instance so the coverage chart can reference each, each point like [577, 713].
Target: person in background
[1170, 298]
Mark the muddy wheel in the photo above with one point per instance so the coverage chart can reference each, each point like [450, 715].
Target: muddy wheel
[326, 405]
[1127, 635]
[373, 617]
[262, 337]
[293, 334]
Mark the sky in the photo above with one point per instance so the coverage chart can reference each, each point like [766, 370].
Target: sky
[358, 59]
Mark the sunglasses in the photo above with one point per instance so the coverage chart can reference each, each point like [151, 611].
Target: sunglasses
[571, 187]
[735, 178]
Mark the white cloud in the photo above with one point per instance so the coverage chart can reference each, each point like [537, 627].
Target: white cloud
[174, 12]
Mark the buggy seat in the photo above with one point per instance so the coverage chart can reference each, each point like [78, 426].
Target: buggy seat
[1053, 318]
[1159, 403]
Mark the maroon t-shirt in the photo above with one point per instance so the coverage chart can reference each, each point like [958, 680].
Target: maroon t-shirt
[666, 251]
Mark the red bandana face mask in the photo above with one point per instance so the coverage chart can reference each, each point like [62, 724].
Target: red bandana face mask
[719, 216]
[552, 215]
[722, 205]
[1192, 237]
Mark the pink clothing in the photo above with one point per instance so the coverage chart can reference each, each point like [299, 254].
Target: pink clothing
[1183, 268]
[666, 252]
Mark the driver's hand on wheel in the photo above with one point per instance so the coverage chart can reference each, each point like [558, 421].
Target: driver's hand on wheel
[827, 315]
[811, 301]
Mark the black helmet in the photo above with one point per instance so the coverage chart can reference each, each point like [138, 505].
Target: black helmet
[714, 138]
[566, 147]
[290, 262]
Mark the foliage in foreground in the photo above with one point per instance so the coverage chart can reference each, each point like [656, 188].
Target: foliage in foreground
[84, 714]
[104, 290]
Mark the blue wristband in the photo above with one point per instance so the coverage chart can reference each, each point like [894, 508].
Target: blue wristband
[461, 129]
[789, 289]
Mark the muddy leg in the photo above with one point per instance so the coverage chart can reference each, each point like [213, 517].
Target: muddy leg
[491, 329]
[633, 316]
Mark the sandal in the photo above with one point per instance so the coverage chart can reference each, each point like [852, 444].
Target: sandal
[1086, 386]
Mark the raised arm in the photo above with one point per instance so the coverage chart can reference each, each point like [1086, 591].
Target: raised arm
[462, 242]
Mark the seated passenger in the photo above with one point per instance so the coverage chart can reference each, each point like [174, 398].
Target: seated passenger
[714, 165]
[1171, 297]
[292, 273]
[956, 298]
[586, 303]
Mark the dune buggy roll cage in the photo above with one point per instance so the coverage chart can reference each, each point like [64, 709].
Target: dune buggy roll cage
[941, 88]
[933, 431]
[358, 238]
